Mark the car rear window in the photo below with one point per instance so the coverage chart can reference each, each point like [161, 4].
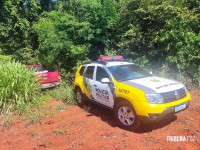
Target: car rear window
[89, 72]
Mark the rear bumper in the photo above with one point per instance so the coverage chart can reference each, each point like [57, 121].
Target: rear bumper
[168, 112]
[49, 85]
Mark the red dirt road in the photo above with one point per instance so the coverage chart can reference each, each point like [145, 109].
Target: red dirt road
[94, 128]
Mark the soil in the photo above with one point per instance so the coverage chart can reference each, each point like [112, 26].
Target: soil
[94, 128]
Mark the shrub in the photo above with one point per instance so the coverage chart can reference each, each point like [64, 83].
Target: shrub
[18, 87]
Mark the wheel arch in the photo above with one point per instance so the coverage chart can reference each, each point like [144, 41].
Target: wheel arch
[76, 87]
[119, 99]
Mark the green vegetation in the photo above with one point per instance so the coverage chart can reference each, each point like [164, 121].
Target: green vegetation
[166, 32]
[8, 120]
[63, 92]
[4, 58]
[60, 107]
[34, 116]
[18, 87]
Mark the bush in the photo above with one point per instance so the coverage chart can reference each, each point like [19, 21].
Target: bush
[18, 87]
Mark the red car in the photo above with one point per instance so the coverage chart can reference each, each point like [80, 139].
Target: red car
[45, 78]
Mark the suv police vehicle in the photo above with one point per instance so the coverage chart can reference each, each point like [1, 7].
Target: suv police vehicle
[134, 94]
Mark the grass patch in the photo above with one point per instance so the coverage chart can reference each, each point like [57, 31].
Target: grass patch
[8, 120]
[59, 131]
[37, 115]
[63, 92]
[60, 107]
[34, 116]
[34, 133]
[45, 97]
[49, 112]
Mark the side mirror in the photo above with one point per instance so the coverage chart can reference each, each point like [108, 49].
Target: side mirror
[105, 80]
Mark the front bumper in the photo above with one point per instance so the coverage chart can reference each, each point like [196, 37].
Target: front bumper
[154, 117]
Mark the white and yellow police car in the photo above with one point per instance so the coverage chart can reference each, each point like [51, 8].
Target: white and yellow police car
[134, 94]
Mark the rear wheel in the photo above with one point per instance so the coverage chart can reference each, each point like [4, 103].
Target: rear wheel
[80, 98]
[126, 116]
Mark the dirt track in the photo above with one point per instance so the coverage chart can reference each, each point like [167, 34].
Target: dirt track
[95, 128]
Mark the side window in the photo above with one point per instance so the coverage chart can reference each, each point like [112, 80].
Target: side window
[81, 70]
[89, 72]
[101, 73]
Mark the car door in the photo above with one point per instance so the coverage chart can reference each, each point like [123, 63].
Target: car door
[87, 80]
[103, 92]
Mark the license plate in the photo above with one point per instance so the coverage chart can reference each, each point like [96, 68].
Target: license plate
[180, 107]
[48, 85]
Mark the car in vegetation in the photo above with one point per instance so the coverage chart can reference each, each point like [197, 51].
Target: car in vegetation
[45, 78]
[135, 95]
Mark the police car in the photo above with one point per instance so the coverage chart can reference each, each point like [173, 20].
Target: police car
[134, 94]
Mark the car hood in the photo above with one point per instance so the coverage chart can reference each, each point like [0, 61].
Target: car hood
[154, 84]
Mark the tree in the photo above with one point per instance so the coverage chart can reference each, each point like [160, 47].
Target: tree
[102, 16]
[61, 39]
[165, 32]
[15, 21]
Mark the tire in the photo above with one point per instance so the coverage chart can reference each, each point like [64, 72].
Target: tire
[80, 98]
[126, 116]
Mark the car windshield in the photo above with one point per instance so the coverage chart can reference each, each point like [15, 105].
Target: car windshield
[128, 72]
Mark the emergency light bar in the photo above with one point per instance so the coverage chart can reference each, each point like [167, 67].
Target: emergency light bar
[107, 58]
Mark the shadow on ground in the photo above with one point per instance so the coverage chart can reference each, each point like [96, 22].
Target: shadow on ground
[104, 114]
[107, 116]
[157, 125]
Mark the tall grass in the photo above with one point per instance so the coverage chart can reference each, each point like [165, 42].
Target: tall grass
[18, 87]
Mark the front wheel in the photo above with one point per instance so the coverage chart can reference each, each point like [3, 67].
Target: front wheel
[126, 116]
[79, 98]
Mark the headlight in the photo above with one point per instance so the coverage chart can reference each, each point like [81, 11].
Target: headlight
[154, 98]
